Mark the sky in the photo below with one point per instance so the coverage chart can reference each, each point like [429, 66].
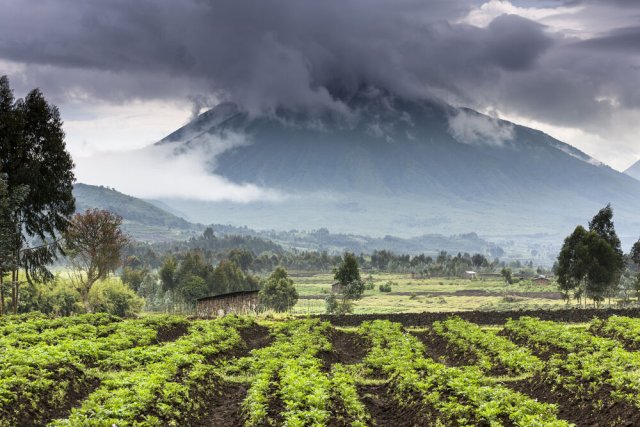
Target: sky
[125, 74]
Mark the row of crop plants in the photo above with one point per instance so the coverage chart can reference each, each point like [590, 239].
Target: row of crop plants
[161, 385]
[32, 330]
[289, 370]
[624, 329]
[41, 377]
[579, 361]
[488, 349]
[458, 396]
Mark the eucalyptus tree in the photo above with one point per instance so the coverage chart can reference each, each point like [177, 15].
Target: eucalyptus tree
[39, 175]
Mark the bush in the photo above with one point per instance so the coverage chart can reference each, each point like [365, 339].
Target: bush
[385, 287]
[279, 293]
[335, 305]
[114, 297]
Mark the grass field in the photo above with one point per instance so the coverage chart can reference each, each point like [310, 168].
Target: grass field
[409, 295]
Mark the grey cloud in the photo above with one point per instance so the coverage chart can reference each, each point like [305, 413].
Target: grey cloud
[265, 53]
[516, 43]
[310, 53]
[624, 40]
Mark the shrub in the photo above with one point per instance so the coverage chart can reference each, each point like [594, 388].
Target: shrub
[114, 297]
[385, 287]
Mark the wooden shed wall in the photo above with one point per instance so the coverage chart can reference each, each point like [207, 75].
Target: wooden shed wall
[232, 304]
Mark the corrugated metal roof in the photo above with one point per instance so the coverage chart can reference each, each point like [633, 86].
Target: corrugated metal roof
[230, 294]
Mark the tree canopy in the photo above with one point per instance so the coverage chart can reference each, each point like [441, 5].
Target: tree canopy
[94, 243]
[278, 291]
[591, 262]
[38, 173]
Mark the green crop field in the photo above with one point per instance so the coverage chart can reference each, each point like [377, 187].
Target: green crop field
[413, 295]
[100, 370]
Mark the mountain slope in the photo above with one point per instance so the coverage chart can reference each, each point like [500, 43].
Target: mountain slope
[404, 167]
[634, 170]
[141, 219]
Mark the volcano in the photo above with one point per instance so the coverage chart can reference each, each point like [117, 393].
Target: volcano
[634, 170]
[383, 164]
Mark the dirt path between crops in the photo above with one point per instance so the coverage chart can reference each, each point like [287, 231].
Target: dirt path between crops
[225, 410]
[385, 411]
[348, 348]
[581, 411]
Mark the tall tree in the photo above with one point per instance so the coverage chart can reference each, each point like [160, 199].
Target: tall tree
[573, 262]
[635, 257]
[588, 265]
[348, 275]
[7, 232]
[168, 273]
[94, 243]
[34, 158]
[279, 292]
[603, 271]
[602, 225]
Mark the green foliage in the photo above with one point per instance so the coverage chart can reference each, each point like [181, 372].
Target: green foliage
[114, 297]
[506, 275]
[278, 291]
[459, 396]
[167, 273]
[41, 372]
[228, 277]
[33, 156]
[486, 347]
[290, 368]
[93, 244]
[348, 275]
[591, 363]
[336, 305]
[588, 264]
[385, 287]
[159, 385]
[352, 286]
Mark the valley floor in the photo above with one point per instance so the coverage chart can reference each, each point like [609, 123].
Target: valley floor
[416, 295]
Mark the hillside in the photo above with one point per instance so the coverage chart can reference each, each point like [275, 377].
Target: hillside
[406, 168]
[634, 170]
[141, 219]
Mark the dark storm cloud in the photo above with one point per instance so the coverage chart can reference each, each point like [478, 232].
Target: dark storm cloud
[265, 53]
[261, 52]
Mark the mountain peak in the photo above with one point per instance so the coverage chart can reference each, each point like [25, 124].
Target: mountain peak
[634, 170]
[404, 167]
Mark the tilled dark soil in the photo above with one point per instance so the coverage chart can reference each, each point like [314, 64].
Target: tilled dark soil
[225, 409]
[626, 344]
[348, 348]
[583, 412]
[75, 396]
[570, 315]
[255, 337]
[171, 333]
[385, 411]
[437, 349]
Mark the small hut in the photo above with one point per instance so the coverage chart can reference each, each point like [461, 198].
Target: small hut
[337, 288]
[471, 275]
[541, 280]
[243, 302]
